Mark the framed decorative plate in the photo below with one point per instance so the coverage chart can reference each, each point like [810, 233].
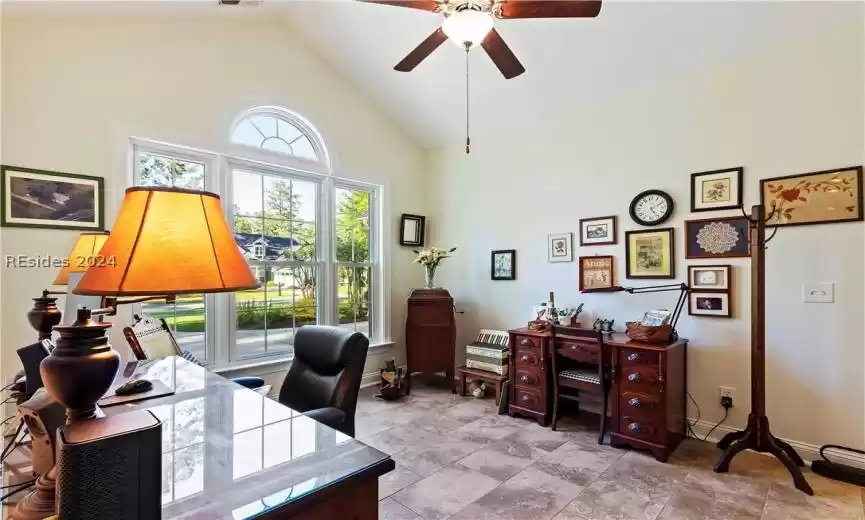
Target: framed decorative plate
[717, 238]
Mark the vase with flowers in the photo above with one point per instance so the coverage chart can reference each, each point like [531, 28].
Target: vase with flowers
[430, 259]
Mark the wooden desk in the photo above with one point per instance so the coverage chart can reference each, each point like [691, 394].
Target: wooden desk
[230, 453]
[648, 398]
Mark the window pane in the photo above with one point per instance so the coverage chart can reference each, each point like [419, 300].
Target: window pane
[266, 125]
[303, 148]
[352, 226]
[245, 133]
[161, 170]
[275, 144]
[287, 131]
[246, 195]
[186, 318]
[353, 298]
[275, 134]
[303, 242]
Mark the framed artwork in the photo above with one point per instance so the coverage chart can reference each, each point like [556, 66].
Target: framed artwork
[715, 304]
[709, 277]
[53, 200]
[560, 247]
[814, 198]
[598, 231]
[596, 273]
[716, 189]
[726, 237]
[650, 254]
[411, 230]
[503, 264]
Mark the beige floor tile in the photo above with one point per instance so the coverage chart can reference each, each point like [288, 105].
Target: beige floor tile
[529, 495]
[399, 478]
[392, 510]
[788, 503]
[445, 492]
[495, 464]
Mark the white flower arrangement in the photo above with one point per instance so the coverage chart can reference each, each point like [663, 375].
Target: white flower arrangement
[432, 257]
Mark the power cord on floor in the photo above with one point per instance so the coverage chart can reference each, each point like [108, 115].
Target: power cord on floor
[726, 414]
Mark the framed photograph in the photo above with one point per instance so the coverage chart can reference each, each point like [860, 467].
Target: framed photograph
[650, 254]
[598, 231]
[814, 198]
[596, 273]
[411, 230]
[709, 277]
[726, 237]
[715, 304]
[503, 264]
[53, 200]
[560, 247]
[716, 190]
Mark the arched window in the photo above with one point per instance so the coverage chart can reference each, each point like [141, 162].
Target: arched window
[278, 130]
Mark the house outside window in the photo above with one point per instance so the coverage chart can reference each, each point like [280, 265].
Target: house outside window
[310, 239]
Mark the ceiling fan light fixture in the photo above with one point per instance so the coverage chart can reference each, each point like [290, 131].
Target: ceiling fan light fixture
[468, 28]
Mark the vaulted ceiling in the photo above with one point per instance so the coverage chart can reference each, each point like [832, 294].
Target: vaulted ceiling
[568, 62]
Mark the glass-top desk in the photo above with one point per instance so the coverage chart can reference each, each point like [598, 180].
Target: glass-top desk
[231, 453]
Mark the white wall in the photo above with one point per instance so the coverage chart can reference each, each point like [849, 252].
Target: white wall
[74, 90]
[793, 108]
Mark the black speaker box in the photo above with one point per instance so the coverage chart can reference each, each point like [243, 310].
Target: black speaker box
[110, 468]
[31, 356]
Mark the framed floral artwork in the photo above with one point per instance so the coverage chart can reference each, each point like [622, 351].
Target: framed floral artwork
[598, 231]
[814, 198]
[717, 238]
[716, 190]
[650, 254]
[503, 264]
[709, 277]
[560, 247]
[596, 273]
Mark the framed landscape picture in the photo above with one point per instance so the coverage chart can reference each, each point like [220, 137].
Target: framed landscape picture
[814, 198]
[503, 264]
[715, 304]
[650, 254]
[709, 277]
[716, 190]
[596, 273]
[726, 237]
[598, 231]
[560, 247]
[47, 199]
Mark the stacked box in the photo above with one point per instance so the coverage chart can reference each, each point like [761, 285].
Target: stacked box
[489, 352]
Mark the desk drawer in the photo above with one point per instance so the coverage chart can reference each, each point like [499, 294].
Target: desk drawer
[582, 352]
[640, 379]
[530, 379]
[529, 399]
[639, 404]
[639, 428]
[523, 342]
[528, 359]
[638, 357]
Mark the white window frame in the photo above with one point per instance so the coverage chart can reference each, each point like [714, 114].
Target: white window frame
[220, 309]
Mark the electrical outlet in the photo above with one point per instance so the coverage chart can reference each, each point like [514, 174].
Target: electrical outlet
[727, 393]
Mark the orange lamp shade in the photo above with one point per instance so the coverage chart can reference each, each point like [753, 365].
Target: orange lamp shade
[168, 241]
[84, 254]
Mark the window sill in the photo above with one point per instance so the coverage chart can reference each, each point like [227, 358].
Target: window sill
[272, 366]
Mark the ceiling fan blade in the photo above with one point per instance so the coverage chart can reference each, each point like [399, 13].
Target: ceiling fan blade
[424, 5]
[549, 9]
[502, 55]
[421, 52]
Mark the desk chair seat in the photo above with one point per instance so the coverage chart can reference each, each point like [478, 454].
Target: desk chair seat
[150, 338]
[584, 375]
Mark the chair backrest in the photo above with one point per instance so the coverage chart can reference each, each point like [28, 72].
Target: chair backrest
[150, 338]
[326, 370]
[560, 331]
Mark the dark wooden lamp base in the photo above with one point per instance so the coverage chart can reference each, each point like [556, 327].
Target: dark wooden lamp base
[757, 436]
[39, 503]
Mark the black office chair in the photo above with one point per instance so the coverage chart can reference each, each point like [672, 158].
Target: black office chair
[324, 377]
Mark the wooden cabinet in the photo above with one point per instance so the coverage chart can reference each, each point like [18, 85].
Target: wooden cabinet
[648, 398]
[430, 334]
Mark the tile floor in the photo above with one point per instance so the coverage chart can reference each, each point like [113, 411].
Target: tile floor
[458, 459]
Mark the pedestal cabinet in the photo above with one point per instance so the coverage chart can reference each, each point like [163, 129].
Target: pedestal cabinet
[430, 334]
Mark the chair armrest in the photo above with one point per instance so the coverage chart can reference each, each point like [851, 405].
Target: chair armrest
[249, 382]
[330, 416]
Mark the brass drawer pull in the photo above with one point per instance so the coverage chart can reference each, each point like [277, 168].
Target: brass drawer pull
[526, 342]
[635, 402]
[636, 427]
[635, 377]
[633, 356]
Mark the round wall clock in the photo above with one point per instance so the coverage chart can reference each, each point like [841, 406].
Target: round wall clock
[651, 207]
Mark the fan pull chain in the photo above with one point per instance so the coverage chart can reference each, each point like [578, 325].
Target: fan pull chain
[468, 138]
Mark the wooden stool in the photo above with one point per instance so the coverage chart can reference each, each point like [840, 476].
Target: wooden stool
[483, 375]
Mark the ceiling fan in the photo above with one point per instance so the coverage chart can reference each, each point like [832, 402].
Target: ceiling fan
[469, 23]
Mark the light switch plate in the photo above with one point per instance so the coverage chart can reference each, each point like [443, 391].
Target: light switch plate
[823, 292]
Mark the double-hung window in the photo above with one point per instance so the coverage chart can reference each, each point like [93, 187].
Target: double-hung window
[311, 240]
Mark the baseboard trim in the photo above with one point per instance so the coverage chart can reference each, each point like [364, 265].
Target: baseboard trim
[808, 452]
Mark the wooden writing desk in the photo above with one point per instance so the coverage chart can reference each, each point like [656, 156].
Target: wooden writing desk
[648, 398]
